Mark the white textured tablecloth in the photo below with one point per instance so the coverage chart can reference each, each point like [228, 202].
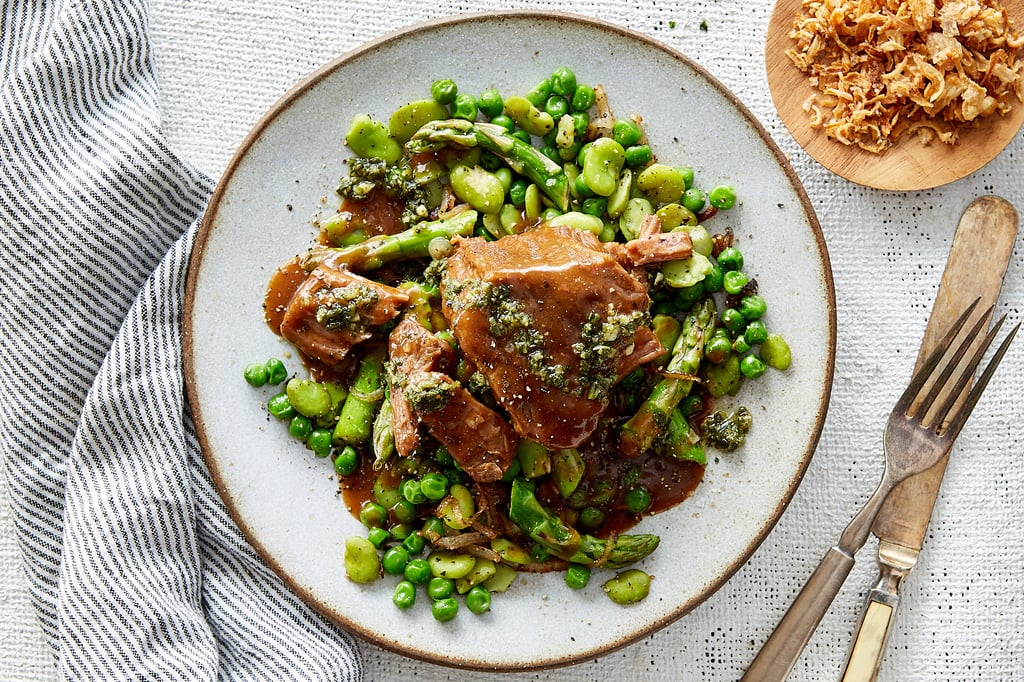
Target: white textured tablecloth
[220, 64]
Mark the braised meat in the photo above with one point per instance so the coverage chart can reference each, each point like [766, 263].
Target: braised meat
[553, 320]
[334, 309]
[476, 437]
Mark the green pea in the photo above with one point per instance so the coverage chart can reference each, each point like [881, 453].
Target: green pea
[551, 152]
[594, 206]
[440, 588]
[478, 599]
[490, 103]
[309, 398]
[694, 199]
[583, 98]
[444, 609]
[404, 595]
[734, 281]
[276, 371]
[539, 93]
[602, 164]
[403, 510]
[722, 196]
[373, 514]
[691, 406]
[752, 366]
[444, 91]
[280, 407]
[299, 427]
[369, 139]
[626, 132]
[638, 500]
[730, 258]
[740, 345]
[581, 187]
[522, 135]
[395, 560]
[756, 333]
[662, 183]
[362, 564]
[255, 374]
[401, 531]
[577, 576]
[517, 192]
[478, 188]
[409, 118]
[556, 107]
[687, 172]
[383, 493]
[714, 280]
[464, 107]
[504, 120]
[733, 320]
[628, 587]
[417, 571]
[377, 537]
[414, 543]
[563, 82]
[775, 352]
[717, 349]
[591, 518]
[580, 121]
[411, 491]
[434, 486]
[320, 441]
[753, 307]
[638, 155]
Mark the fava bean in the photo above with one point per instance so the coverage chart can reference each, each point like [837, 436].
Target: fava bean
[664, 184]
[448, 564]
[528, 116]
[478, 188]
[309, 398]
[628, 587]
[618, 199]
[361, 562]
[686, 272]
[408, 119]
[602, 164]
[369, 139]
[775, 352]
[636, 211]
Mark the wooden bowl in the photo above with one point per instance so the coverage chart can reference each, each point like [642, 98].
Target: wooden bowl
[908, 165]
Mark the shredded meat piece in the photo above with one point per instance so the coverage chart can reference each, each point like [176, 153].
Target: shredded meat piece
[885, 68]
[334, 309]
[412, 348]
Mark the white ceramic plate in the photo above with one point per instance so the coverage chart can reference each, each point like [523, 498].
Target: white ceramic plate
[285, 500]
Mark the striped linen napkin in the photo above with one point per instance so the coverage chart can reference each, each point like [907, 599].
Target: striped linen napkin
[136, 570]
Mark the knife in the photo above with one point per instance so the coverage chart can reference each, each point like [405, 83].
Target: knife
[975, 267]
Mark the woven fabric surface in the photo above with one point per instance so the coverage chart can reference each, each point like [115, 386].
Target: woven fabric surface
[204, 73]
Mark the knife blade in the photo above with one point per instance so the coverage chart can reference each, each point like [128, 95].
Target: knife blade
[975, 267]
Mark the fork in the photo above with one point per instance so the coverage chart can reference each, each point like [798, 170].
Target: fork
[920, 431]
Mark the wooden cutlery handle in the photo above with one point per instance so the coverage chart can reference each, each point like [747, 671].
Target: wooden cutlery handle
[781, 651]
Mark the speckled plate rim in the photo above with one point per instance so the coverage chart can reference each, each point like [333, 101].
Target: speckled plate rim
[200, 416]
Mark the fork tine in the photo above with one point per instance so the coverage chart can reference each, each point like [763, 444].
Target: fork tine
[960, 418]
[928, 366]
[939, 384]
[965, 376]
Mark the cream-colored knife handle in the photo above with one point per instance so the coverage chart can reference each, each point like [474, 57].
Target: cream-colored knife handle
[866, 655]
[894, 563]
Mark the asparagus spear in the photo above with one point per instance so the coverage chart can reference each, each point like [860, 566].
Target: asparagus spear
[566, 542]
[520, 156]
[383, 438]
[652, 418]
[378, 251]
[355, 423]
